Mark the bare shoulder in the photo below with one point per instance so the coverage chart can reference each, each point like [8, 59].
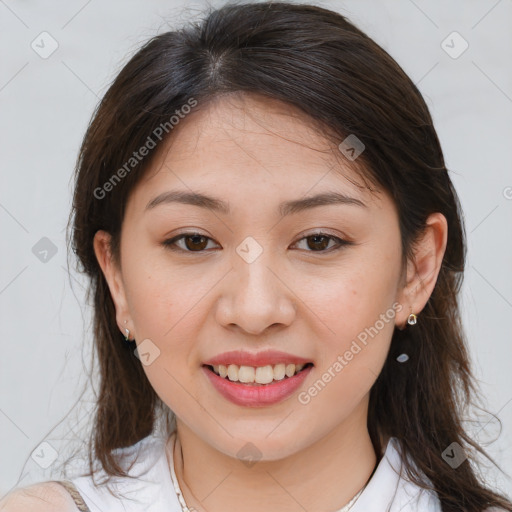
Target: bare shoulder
[40, 497]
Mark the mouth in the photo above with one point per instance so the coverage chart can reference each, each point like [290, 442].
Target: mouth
[258, 376]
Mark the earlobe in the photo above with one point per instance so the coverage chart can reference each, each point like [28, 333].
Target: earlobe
[422, 273]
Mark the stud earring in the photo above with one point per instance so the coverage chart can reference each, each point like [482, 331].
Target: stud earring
[127, 331]
[412, 319]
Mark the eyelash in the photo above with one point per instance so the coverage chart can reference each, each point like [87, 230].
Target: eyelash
[170, 243]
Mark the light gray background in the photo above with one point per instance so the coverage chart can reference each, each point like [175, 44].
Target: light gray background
[46, 105]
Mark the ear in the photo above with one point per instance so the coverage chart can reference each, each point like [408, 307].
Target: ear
[113, 276]
[422, 272]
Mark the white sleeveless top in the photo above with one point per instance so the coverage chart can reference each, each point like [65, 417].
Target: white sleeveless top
[154, 490]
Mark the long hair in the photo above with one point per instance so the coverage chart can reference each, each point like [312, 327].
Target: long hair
[316, 60]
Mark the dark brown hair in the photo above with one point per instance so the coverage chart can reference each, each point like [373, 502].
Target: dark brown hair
[316, 60]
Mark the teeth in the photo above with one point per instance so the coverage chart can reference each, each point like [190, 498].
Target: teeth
[290, 370]
[245, 374]
[264, 374]
[279, 371]
[259, 375]
[233, 372]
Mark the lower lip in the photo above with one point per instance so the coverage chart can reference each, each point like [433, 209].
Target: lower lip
[256, 396]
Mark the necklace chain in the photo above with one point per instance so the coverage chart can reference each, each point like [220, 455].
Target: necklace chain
[185, 508]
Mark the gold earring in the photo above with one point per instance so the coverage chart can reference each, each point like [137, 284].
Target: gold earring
[412, 319]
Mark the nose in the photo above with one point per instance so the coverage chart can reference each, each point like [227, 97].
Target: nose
[256, 296]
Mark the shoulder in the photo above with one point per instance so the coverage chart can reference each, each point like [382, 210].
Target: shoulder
[41, 497]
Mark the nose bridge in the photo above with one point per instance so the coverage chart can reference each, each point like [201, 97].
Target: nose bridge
[258, 298]
[254, 280]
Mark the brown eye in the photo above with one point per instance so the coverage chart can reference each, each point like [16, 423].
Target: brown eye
[319, 242]
[193, 242]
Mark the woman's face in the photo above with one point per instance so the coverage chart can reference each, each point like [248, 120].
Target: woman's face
[259, 277]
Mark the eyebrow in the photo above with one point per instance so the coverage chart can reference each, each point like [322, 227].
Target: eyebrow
[284, 209]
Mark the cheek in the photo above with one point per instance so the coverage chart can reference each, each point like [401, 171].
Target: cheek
[167, 307]
[349, 301]
[164, 299]
[358, 319]
[356, 314]
[162, 307]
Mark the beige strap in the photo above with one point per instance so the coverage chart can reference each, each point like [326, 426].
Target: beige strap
[77, 497]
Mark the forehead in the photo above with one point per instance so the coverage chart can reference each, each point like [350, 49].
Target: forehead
[242, 127]
[246, 140]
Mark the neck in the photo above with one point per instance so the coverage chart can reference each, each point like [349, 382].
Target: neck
[324, 476]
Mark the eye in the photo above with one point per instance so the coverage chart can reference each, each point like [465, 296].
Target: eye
[319, 241]
[195, 242]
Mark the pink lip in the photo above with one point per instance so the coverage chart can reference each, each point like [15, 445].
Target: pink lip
[256, 395]
[263, 358]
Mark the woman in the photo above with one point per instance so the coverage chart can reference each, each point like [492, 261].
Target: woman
[264, 212]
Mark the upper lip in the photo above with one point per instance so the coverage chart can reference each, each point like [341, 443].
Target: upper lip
[263, 358]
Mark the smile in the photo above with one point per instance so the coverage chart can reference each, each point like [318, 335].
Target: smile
[253, 393]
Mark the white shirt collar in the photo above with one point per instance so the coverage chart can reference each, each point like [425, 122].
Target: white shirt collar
[390, 490]
[387, 490]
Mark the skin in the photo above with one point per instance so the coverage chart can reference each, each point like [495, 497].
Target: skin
[297, 296]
